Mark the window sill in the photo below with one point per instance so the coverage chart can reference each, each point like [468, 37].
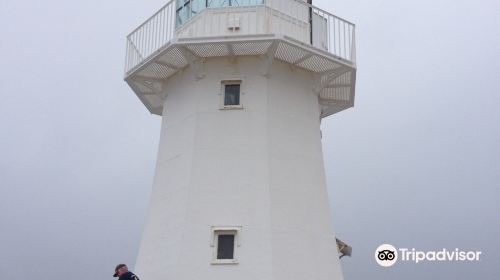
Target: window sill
[232, 107]
[229, 261]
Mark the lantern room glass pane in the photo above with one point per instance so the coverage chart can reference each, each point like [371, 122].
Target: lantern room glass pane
[186, 9]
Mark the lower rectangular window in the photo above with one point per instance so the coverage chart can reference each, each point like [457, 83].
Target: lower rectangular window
[225, 246]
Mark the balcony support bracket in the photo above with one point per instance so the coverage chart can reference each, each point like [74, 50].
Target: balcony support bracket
[268, 59]
[332, 75]
[194, 61]
[155, 85]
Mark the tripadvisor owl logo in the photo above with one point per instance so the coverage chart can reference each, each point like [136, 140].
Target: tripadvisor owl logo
[386, 255]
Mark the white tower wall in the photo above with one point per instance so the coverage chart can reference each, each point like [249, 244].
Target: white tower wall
[259, 168]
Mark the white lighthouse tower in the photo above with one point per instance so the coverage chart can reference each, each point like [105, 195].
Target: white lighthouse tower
[241, 85]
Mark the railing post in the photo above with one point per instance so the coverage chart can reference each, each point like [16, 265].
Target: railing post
[353, 51]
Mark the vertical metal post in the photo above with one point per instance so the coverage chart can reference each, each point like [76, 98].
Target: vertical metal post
[353, 51]
[310, 21]
[190, 3]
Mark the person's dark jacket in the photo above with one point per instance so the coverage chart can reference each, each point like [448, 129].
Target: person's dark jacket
[128, 276]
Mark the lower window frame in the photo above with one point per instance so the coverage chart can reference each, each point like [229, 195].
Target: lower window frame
[223, 94]
[215, 231]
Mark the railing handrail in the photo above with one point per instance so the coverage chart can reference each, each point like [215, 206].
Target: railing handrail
[161, 27]
[265, 3]
[323, 11]
[149, 18]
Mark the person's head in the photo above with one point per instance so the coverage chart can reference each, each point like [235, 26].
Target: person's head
[120, 269]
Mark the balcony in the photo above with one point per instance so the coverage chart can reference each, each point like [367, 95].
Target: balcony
[184, 32]
[294, 18]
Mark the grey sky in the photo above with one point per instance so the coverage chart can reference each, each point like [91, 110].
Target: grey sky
[416, 163]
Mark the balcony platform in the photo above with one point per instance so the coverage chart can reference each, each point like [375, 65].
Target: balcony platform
[336, 76]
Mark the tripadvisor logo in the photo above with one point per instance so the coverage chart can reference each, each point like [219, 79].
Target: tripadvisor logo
[386, 255]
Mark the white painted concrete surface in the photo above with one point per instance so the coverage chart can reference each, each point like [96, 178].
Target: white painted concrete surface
[259, 168]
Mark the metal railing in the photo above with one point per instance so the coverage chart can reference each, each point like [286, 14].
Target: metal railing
[150, 36]
[333, 34]
[292, 18]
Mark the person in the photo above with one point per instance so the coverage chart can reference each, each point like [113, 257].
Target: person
[122, 272]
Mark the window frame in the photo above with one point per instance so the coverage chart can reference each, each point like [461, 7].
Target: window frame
[215, 231]
[225, 83]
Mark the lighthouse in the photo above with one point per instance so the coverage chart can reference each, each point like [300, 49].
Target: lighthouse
[241, 86]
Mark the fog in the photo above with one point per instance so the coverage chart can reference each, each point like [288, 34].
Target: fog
[416, 162]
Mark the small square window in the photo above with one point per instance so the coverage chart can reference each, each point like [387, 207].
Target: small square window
[225, 240]
[231, 91]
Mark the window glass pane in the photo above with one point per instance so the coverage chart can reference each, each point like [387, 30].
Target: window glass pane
[226, 3]
[232, 95]
[186, 9]
[198, 6]
[183, 11]
[218, 3]
[247, 2]
[225, 246]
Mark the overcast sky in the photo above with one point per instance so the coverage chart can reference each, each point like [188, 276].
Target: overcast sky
[416, 162]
